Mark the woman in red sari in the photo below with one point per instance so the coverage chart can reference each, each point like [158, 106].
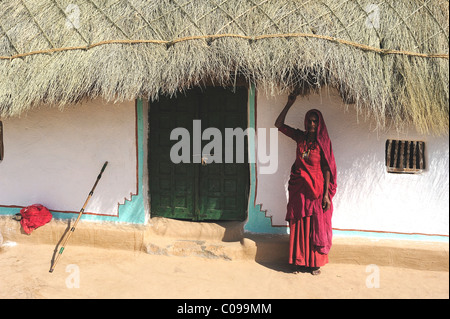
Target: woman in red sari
[312, 185]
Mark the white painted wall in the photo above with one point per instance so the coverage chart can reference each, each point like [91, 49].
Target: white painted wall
[53, 157]
[368, 198]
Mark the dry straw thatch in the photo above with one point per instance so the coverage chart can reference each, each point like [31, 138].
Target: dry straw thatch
[388, 58]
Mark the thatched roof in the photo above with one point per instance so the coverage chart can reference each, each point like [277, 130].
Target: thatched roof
[389, 60]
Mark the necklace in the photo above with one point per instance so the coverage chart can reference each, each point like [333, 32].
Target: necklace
[307, 148]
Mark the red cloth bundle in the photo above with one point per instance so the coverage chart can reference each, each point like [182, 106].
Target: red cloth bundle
[34, 216]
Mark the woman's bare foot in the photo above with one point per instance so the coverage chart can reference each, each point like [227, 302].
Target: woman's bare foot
[299, 269]
[315, 271]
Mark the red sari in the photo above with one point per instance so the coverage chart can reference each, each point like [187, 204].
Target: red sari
[310, 226]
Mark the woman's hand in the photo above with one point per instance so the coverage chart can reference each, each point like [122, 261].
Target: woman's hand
[282, 116]
[291, 98]
[326, 203]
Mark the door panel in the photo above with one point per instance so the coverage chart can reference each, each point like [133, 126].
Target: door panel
[216, 191]
[172, 187]
[224, 186]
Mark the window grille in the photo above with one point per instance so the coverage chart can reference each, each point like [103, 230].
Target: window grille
[405, 156]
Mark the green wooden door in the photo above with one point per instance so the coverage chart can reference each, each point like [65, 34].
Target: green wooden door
[194, 191]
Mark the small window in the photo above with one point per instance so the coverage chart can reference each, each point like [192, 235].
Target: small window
[405, 156]
[1, 141]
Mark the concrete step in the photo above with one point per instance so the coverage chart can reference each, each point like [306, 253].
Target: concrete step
[243, 249]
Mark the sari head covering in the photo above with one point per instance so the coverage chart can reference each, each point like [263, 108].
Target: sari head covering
[322, 231]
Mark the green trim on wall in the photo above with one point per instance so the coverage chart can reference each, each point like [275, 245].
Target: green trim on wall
[257, 222]
[132, 211]
[9, 210]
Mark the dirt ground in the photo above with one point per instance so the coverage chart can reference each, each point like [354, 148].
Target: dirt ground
[88, 272]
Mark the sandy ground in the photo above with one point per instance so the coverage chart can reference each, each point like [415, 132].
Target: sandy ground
[87, 272]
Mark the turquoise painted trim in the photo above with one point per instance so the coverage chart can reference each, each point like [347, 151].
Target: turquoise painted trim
[257, 222]
[9, 210]
[134, 211]
[396, 236]
[131, 211]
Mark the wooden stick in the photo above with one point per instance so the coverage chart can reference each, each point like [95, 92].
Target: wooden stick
[79, 216]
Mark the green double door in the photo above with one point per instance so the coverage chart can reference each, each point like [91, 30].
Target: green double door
[199, 188]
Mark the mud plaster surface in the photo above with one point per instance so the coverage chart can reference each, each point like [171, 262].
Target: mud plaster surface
[89, 272]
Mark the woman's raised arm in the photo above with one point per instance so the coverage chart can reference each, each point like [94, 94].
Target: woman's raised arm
[280, 119]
